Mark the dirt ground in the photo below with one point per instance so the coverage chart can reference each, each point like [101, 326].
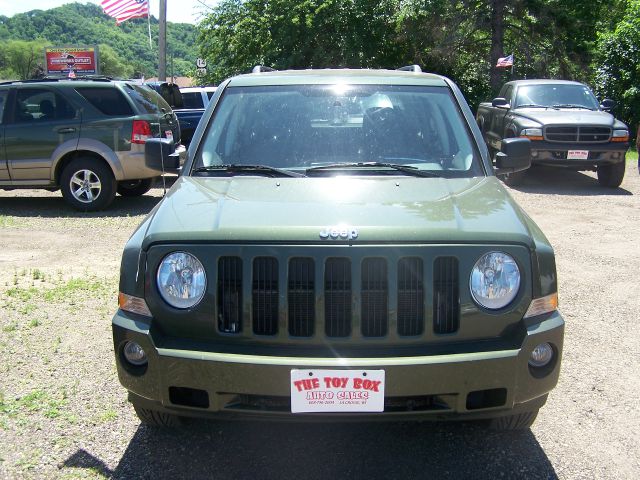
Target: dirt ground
[63, 413]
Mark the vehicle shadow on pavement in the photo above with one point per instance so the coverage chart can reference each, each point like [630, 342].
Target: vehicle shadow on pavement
[326, 450]
[560, 181]
[56, 207]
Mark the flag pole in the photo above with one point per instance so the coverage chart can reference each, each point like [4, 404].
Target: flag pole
[149, 25]
[513, 62]
[162, 42]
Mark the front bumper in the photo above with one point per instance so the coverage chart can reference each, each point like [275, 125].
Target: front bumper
[555, 154]
[481, 384]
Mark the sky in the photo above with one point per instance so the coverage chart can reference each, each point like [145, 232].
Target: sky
[182, 11]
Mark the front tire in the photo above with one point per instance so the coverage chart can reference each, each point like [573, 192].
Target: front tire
[611, 175]
[135, 188]
[88, 184]
[155, 418]
[519, 421]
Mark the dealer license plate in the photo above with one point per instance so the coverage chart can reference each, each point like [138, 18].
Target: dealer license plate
[337, 391]
[578, 155]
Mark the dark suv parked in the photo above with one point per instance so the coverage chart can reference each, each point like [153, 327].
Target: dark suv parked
[84, 136]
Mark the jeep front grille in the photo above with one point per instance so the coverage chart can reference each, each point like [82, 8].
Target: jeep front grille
[230, 294]
[362, 286]
[445, 295]
[577, 134]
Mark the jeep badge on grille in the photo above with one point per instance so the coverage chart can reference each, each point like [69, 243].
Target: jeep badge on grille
[339, 232]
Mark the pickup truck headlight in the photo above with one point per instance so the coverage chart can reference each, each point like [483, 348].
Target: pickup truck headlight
[494, 280]
[532, 133]
[620, 136]
[181, 280]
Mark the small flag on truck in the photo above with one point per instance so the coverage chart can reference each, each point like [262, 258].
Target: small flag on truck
[505, 62]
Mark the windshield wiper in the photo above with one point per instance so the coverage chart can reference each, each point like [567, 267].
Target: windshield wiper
[258, 169]
[533, 105]
[571, 105]
[408, 169]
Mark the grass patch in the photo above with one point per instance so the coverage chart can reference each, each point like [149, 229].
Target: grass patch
[108, 415]
[632, 156]
[6, 221]
[30, 460]
[77, 287]
[37, 401]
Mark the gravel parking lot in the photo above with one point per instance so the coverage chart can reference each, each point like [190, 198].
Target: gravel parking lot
[63, 413]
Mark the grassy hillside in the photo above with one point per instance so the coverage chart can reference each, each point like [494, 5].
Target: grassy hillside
[86, 24]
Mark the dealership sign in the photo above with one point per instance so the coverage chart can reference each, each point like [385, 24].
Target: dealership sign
[64, 60]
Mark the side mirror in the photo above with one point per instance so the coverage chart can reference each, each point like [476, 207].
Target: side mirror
[500, 103]
[159, 154]
[514, 155]
[607, 104]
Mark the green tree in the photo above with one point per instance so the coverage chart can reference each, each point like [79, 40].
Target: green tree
[618, 64]
[20, 60]
[111, 64]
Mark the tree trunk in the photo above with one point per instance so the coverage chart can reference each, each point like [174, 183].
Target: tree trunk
[497, 42]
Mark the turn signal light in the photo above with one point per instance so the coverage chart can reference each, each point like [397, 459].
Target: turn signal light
[141, 131]
[132, 304]
[540, 306]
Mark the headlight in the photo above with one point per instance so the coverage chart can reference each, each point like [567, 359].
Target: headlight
[181, 280]
[532, 133]
[494, 280]
[620, 136]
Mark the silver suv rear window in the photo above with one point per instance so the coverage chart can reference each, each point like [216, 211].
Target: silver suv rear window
[146, 99]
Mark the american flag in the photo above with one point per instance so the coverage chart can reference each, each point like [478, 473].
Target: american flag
[504, 62]
[123, 10]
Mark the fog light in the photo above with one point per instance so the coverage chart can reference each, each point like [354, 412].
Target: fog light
[534, 153]
[134, 354]
[541, 355]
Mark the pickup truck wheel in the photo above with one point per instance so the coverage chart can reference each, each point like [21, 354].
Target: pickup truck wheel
[611, 175]
[134, 188]
[513, 179]
[520, 421]
[155, 418]
[88, 184]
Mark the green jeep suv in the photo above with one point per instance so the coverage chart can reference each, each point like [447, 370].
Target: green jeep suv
[85, 137]
[338, 246]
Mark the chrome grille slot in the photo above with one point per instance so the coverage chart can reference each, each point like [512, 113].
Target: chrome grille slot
[230, 294]
[561, 134]
[594, 134]
[265, 296]
[587, 134]
[301, 297]
[410, 296]
[446, 303]
[337, 292]
[375, 296]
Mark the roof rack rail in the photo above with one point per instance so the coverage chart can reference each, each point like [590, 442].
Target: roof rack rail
[57, 78]
[411, 68]
[262, 68]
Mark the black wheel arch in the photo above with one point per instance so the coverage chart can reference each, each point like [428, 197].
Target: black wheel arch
[71, 156]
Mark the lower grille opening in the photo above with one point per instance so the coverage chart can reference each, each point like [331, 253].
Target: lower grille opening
[495, 397]
[267, 403]
[189, 397]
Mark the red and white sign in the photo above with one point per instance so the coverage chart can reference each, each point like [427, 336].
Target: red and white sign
[578, 155]
[63, 60]
[337, 391]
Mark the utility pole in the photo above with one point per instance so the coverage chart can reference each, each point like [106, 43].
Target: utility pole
[162, 42]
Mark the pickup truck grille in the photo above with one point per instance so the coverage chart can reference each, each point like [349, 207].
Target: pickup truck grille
[577, 134]
[369, 287]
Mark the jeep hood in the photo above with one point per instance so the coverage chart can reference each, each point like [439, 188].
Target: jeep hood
[568, 116]
[396, 209]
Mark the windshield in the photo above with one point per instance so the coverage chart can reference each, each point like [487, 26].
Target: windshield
[303, 127]
[549, 95]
